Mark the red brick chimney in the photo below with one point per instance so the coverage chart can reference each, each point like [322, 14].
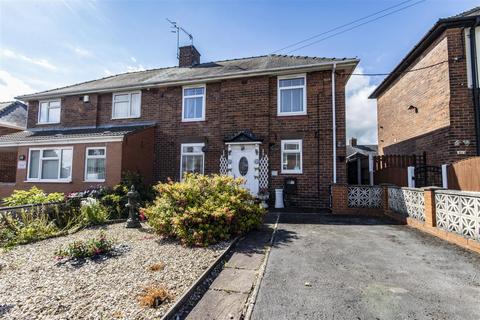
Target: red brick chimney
[189, 56]
[353, 142]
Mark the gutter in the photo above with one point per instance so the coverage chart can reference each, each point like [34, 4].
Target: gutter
[334, 125]
[474, 67]
[285, 70]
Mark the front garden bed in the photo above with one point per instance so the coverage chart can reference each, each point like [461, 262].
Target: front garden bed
[35, 286]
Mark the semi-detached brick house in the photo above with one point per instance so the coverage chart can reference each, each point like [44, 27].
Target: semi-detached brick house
[430, 102]
[194, 117]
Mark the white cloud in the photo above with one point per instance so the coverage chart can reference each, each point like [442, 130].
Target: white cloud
[81, 52]
[134, 68]
[11, 87]
[133, 59]
[35, 61]
[361, 111]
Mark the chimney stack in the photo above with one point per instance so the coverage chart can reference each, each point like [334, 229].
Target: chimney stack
[353, 142]
[188, 56]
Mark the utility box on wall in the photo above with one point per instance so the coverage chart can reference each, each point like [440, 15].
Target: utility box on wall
[290, 185]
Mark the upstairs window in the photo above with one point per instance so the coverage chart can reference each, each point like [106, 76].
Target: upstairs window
[50, 165]
[292, 95]
[193, 103]
[126, 105]
[49, 111]
[192, 159]
[95, 164]
[291, 156]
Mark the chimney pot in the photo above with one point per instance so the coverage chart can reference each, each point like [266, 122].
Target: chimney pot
[188, 56]
[353, 142]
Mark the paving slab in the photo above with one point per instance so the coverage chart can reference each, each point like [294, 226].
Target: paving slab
[245, 260]
[238, 280]
[219, 305]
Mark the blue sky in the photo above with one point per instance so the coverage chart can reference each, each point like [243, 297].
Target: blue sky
[48, 44]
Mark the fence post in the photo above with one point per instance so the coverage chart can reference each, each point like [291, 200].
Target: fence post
[385, 199]
[445, 176]
[411, 177]
[370, 169]
[339, 198]
[430, 208]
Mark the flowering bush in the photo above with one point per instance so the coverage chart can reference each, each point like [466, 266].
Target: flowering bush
[203, 210]
[92, 212]
[85, 249]
[32, 196]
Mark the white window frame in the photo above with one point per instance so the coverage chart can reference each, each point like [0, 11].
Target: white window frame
[87, 157]
[202, 153]
[304, 87]
[283, 151]
[39, 121]
[130, 116]
[40, 159]
[468, 55]
[204, 106]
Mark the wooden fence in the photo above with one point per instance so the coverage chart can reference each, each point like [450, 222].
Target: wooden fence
[392, 169]
[464, 175]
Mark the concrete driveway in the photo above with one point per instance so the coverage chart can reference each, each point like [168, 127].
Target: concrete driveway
[324, 267]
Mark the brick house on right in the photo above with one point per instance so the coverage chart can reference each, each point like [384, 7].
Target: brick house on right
[430, 102]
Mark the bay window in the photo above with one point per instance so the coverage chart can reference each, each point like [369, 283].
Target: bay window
[193, 105]
[49, 112]
[292, 95]
[291, 156]
[95, 164]
[192, 159]
[126, 105]
[50, 165]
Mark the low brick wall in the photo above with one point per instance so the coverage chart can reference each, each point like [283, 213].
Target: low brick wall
[414, 207]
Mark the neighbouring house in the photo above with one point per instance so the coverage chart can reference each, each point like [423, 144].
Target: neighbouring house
[358, 162]
[13, 118]
[430, 102]
[269, 119]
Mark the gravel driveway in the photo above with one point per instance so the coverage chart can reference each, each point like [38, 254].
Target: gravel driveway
[33, 286]
[339, 268]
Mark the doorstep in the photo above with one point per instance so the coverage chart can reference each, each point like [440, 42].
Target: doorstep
[227, 296]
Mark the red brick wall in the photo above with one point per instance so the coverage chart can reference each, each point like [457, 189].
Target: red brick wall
[238, 104]
[444, 102]
[113, 169]
[8, 163]
[74, 112]
[138, 153]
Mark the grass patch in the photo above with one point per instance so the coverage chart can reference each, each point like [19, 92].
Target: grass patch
[154, 296]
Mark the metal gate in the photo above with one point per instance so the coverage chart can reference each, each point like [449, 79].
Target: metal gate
[428, 176]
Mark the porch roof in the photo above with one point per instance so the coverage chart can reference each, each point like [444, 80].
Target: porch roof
[70, 136]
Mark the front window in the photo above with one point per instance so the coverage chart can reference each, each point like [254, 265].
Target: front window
[50, 164]
[49, 111]
[193, 103]
[126, 105]
[192, 158]
[95, 164]
[292, 96]
[291, 156]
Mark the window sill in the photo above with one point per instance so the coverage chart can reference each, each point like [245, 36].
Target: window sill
[89, 181]
[123, 118]
[291, 172]
[291, 114]
[48, 181]
[44, 123]
[193, 120]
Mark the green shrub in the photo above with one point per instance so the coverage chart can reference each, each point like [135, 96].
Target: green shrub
[92, 212]
[32, 196]
[28, 227]
[203, 210]
[85, 249]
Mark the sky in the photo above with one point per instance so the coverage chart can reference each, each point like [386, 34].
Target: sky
[50, 44]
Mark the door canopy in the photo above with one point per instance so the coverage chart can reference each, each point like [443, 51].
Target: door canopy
[244, 136]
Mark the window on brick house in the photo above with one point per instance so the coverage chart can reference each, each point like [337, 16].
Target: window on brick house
[192, 159]
[193, 105]
[126, 105]
[291, 156]
[95, 159]
[292, 95]
[49, 111]
[50, 165]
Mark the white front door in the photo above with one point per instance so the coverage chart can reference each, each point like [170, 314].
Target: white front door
[244, 160]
